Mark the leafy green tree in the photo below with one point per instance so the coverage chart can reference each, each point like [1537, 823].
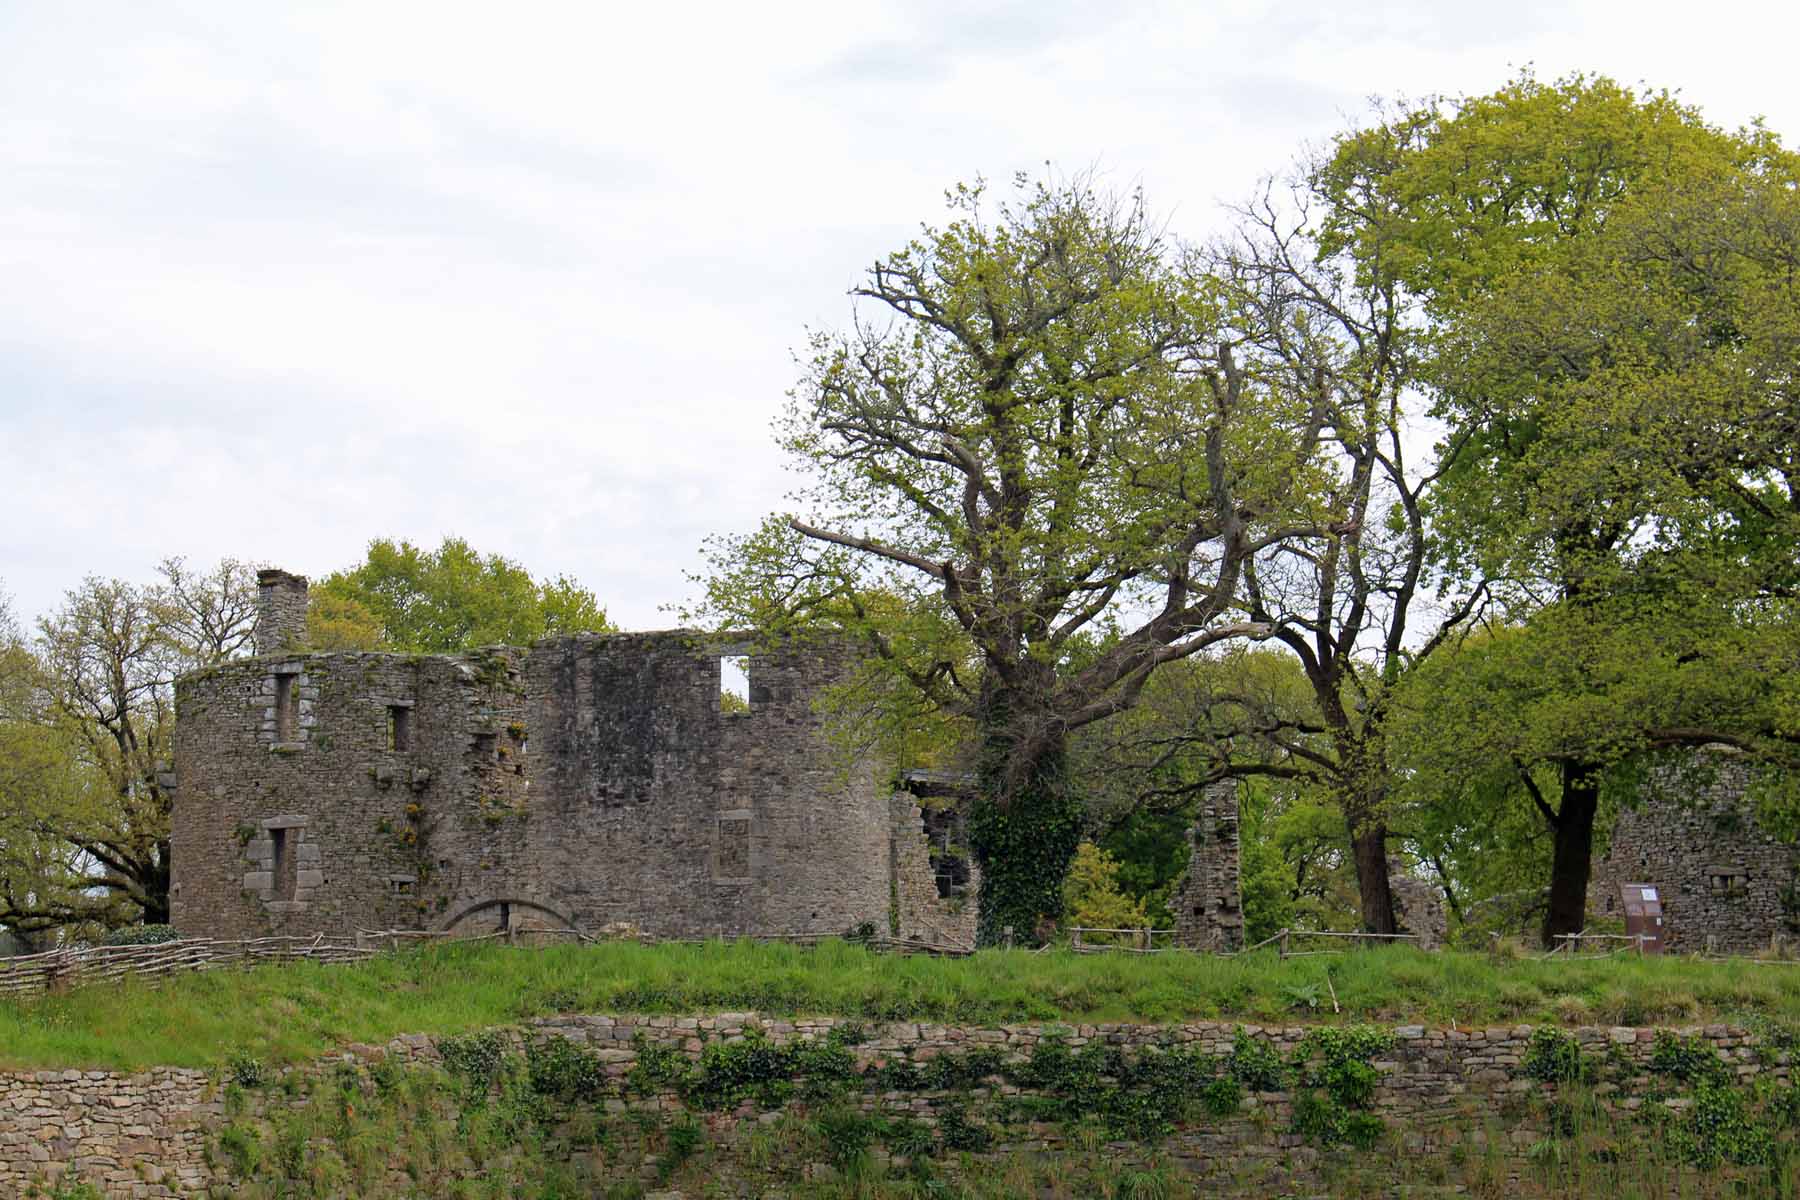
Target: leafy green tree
[402, 597]
[1091, 895]
[90, 726]
[1610, 352]
[1035, 436]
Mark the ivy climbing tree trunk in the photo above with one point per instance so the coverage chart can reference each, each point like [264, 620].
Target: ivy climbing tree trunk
[1025, 823]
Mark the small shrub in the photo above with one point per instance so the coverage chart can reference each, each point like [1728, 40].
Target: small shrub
[241, 1149]
[685, 1138]
[1255, 1063]
[846, 1133]
[1223, 1097]
[908, 1138]
[1555, 1057]
[1363, 1130]
[961, 1133]
[246, 1071]
[141, 935]
[558, 1068]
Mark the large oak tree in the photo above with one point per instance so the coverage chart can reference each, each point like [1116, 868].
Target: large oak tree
[1037, 438]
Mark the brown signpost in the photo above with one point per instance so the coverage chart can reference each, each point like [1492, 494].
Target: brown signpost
[1644, 915]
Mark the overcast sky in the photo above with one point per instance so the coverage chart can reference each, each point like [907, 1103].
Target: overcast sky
[276, 279]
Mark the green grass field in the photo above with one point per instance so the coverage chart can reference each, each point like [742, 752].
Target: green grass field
[285, 1014]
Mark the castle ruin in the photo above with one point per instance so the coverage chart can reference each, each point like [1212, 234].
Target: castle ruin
[1725, 885]
[583, 782]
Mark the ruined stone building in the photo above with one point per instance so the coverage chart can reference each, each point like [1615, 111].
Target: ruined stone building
[585, 782]
[1725, 885]
[1208, 906]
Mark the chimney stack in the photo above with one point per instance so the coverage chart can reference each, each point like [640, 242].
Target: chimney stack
[280, 611]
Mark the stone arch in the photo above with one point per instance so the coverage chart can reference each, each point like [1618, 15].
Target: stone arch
[506, 913]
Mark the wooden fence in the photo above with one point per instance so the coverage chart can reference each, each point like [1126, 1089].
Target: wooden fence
[56, 970]
[69, 966]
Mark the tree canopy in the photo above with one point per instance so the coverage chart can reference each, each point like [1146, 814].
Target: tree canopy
[1035, 436]
[402, 597]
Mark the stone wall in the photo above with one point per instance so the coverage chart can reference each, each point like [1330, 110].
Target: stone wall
[145, 1134]
[587, 781]
[1724, 884]
[924, 908]
[141, 1134]
[280, 611]
[1209, 905]
[1418, 906]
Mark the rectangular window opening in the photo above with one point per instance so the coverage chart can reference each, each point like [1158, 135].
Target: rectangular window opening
[284, 708]
[734, 683]
[286, 870]
[399, 727]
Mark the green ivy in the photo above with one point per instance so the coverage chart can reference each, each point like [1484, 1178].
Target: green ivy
[1690, 1059]
[657, 1067]
[1024, 842]
[558, 1068]
[1719, 1126]
[1555, 1057]
[1255, 1063]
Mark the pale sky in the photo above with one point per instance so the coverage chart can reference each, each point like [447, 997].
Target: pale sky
[276, 279]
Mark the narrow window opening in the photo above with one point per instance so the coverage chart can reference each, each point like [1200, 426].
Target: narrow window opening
[399, 727]
[285, 869]
[734, 683]
[284, 708]
[505, 917]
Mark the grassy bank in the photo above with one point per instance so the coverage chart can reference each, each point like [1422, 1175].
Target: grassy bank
[288, 1013]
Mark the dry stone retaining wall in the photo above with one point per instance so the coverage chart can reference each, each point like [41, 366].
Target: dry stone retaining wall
[145, 1134]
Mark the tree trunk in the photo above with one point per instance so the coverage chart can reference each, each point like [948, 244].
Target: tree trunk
[1574, 852]
[1369, 845]
[1025, 822]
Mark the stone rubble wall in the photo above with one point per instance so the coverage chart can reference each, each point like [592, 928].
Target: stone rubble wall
[280, 611]
[591, 781]
[1418, 906]
[921, 913]
[145, 1134]
[1725, 885]
[1209, 905]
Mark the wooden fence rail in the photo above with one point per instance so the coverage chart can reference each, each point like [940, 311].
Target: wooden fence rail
[55, 970]
[69, 966]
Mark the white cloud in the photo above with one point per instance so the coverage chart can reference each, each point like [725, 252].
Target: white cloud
[280, 279]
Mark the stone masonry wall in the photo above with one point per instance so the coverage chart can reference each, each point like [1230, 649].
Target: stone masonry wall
[1209, 905]
[1724, 884]
[373, 806]
[923, 914]
[145, 1134]
[1418, 906]
[280, 611]
[590, 781]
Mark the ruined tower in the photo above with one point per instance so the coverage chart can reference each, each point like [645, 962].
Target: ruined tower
[1209, 905]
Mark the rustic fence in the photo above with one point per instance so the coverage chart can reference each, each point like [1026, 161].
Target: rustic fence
[56, 970]
[69, 966]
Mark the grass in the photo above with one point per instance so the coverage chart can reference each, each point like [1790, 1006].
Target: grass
[281, 1014]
